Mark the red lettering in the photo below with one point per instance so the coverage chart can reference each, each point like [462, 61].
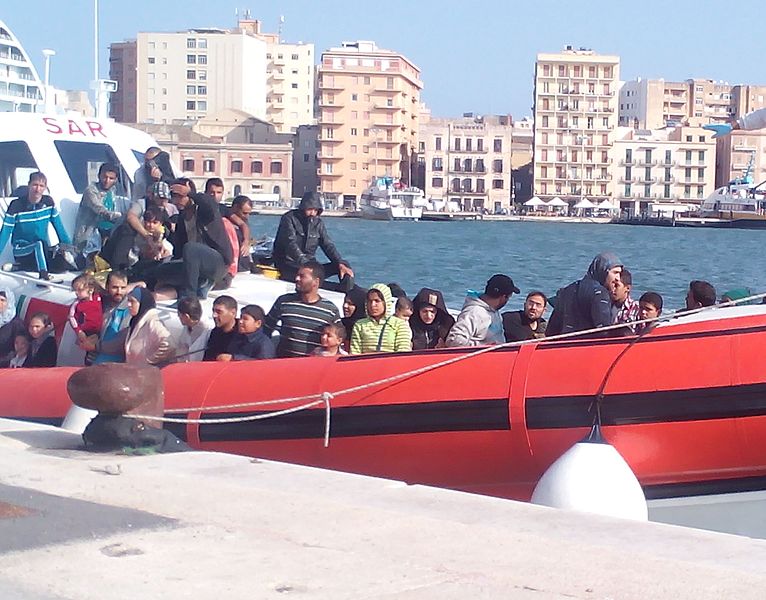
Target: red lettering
[53, 127]
[95, 128]
[75, 128]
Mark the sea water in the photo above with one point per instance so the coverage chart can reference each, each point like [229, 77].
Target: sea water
[454, 257]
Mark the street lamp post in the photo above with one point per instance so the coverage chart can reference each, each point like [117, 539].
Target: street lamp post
[48, 53]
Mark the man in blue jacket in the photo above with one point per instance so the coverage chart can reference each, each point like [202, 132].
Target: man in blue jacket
[587, 304]
[25, 224]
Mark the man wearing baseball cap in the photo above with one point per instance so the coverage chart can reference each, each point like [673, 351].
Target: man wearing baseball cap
[480, 323]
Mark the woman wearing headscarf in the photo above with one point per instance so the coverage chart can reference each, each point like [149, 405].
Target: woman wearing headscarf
[430, 322]
[353, 310]
[43, 351]
[10, 324]
[380, 331]
[148, 341]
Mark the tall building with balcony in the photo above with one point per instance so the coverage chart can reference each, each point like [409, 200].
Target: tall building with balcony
[468, 161]
[661, 167]
[188, 75]
[575, 118]
[655, 103]
[368, 100]
[20, 88]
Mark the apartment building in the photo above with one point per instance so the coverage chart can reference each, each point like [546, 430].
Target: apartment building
[521, 159]
[20, 88]
[188, 75]
[655, 103]
[368, 100]
[575, 106]
[249, 154]
[468, 161]
[663, 166]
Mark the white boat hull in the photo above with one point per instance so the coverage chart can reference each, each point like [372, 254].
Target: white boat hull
[391, 213]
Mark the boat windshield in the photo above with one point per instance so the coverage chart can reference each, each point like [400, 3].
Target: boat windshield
[16, 163]
[82, 161]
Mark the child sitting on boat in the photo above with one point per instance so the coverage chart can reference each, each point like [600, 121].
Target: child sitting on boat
[331, 341]
[251, 343]
[21, 346]
[86, 312]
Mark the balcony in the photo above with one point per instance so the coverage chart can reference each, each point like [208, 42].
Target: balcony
[624, 179]
[643, 179]
[386, 125]
[329, 121]
[627, 163]
[328, 157]
[331, 87]
[276, 75]
[387, 159]
[328, 140]
[386, 107]
[387, 90]
[330, 105]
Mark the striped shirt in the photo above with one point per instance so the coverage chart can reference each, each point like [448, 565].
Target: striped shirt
[301, 323]
[26, 223]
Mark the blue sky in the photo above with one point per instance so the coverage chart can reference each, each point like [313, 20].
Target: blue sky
[475, 56]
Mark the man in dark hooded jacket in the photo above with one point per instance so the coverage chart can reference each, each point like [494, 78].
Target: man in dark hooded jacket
[430, 322]
[301, 232]
[586, 304]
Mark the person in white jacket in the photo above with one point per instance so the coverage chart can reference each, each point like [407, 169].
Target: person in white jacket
[148, 341]
[479, 322]
[750, 122]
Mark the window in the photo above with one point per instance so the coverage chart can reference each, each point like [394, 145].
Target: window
[191, 105]
[497, 184]
[354, 97]
[498, 145]
[236, 166]
[688, 156]
[202, 75]
[191, 43]
[202, 90]
[455, 184]
[208, 165]
[294, 57]
[191, 59]
[480, 145]
[191, 89]
[276, 167]
[353, 149]
[366, 149]
[202, 59]
[202, 44]
[256, 166]
[80, 159]
[457, 165]
[354, 131]
[480, 186]
[294, 86]
[151, 60]
[497, 165]
[458, 144]
[469, 144]
[436, 164]
[437, 182]
[702, 138]
[201, 105]
[702, 156]
[353, 166]
[305, 158]
[666, 191]
[367, 80]
[191, 74]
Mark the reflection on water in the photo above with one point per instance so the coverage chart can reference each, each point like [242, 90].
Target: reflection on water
[545, 256]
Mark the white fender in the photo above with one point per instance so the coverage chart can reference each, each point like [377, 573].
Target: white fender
[77, 419]
[592, 477]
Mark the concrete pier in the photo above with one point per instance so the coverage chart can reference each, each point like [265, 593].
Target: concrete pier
[75, 525]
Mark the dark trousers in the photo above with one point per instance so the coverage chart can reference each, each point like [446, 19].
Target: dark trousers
[116, 250]
[200, 269]
[288, 273]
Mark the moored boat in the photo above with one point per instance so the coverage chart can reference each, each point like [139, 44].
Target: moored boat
[388, 199]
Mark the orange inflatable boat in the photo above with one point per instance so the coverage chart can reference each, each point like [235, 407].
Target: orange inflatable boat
[685, 405]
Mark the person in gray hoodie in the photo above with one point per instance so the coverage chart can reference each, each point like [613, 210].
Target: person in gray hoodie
[586, 304]
[479, 322]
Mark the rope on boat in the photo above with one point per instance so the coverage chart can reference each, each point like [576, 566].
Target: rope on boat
[315, 399]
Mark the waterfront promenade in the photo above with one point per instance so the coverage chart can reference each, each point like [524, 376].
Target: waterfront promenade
[200, 525]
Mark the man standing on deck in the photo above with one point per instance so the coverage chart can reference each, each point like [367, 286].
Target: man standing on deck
[301, 232]
[214, 188]
[302, 314]
[26, 223]
[586, 304]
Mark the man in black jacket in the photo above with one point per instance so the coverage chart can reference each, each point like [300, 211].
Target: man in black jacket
[301, 232]
[201, 247]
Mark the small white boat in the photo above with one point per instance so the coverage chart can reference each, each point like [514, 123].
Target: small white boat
[739, 203]
[388, 199]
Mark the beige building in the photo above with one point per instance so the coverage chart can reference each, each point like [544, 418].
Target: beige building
[188, 75]
[369, 101]
[468, 161]
[522, 153]
[735, 152]
[249, 155]
[655, 103]
[574, 122]
[662, 167]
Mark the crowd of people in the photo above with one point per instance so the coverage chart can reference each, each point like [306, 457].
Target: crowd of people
[173, 242]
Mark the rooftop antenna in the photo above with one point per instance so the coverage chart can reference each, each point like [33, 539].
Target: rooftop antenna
[279, 30]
